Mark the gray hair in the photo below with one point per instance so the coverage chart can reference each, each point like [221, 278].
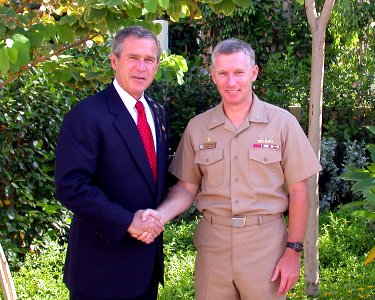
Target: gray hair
[233, 45]
[134, 31]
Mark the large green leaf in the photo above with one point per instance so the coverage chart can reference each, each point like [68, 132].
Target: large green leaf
[66, 33]
[151, 5]
[22, 44]
[174, 10]
[363, 174]
[94, 15]
[13, 54]
[163, 3]
[365, 184]
[133, 11]
[4, 58]
[225, 7]
[364, 214]
[242, 3]
[371, 128]
[111, 3]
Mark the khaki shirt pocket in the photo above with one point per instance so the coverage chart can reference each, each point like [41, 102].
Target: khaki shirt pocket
[211, 164]
[265, 168]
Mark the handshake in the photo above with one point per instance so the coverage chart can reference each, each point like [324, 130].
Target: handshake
[146, 225]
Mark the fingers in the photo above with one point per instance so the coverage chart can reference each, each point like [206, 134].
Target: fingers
[287, 270]
[286, 284]
[151, 213]
[146, 237]
[146, 225]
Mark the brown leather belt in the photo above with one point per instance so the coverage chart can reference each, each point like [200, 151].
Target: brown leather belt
[239, 221]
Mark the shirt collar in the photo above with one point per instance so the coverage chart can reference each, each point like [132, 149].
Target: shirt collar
[126, 98]
[258, 113]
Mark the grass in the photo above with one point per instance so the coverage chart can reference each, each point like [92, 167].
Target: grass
[343, 244]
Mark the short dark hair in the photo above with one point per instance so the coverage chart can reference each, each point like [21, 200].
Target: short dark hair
[135, 31]
[233, 45]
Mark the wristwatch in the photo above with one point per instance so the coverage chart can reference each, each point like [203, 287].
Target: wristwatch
[297, 246]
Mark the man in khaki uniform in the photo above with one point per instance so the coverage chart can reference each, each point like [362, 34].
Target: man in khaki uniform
[245, 162]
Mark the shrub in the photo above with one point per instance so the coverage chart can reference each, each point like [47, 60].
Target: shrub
[342, 246]
[31, 111]
[333, 191]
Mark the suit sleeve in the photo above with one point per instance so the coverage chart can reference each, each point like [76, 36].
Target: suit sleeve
[77, 154]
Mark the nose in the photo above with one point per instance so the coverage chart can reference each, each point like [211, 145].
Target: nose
[232, 79]
[141, 64]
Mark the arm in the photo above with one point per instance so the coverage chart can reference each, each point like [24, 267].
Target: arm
[179, 199]
[288, 267]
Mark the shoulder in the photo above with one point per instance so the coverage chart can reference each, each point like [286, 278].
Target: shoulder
[87, 108]
[277, 111]
[205, 117]
[154, 104]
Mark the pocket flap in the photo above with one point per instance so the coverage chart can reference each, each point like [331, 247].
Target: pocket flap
[265, 156]
[209, 156]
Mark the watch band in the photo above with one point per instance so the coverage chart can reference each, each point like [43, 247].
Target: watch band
[296, 246]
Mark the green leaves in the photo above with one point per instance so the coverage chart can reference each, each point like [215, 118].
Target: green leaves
[365, 183]
[172, 66]
[151, 5]
[15, 54]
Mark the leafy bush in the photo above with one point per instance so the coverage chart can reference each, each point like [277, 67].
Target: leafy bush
[342, 243]
[31, 111]
[365, 184]
[40, 278]
[333, 190]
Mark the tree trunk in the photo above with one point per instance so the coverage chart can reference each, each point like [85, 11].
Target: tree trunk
[318, 25]
[7, 285]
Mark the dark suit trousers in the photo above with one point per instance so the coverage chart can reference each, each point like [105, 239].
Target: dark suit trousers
[151, 292]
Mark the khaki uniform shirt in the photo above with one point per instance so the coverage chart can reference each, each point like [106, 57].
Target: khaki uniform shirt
[244, 171]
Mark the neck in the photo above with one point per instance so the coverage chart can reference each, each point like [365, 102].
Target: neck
[237, 113]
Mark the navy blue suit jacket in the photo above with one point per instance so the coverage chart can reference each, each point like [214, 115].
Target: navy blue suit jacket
[103, 176]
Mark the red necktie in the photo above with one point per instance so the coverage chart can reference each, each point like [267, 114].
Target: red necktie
[146, 135]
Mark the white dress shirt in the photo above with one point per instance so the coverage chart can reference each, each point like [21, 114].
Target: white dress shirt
[130, 102]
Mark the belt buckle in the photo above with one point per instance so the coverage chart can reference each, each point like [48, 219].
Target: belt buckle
[238, 222]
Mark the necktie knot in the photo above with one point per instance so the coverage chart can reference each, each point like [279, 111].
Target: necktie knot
[140, 108]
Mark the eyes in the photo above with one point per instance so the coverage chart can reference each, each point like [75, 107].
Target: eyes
[238, 73]
[147, 60]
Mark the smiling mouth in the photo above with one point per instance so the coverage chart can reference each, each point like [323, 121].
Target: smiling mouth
[232, 91]
[139, 78]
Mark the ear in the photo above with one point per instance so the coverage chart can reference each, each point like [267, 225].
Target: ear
[113, 59]
[212, 75]
[255, 72]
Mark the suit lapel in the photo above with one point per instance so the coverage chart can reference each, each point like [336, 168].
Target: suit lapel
[126, 127]
[161, 141]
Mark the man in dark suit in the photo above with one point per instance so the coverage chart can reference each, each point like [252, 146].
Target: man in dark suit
[106, 177]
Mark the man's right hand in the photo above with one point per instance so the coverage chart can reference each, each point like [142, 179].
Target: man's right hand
[145, 227]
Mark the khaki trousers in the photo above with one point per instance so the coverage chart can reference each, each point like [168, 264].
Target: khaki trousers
[238, 263]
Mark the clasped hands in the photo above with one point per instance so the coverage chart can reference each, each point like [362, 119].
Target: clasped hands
[146, 225]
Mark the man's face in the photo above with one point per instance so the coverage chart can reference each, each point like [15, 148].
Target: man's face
[233, 77]
[136, 67]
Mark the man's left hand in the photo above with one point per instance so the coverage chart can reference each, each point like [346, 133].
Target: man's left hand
[288, 269]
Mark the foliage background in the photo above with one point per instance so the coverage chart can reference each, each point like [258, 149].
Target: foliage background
[33, 105]
[342, 245]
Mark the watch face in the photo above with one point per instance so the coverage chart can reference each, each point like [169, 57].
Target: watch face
[298, 247]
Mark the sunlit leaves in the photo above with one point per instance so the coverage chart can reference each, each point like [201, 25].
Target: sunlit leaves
[242, 3]
[44, 29]
[163, 3]
[172, 66]
[151, 5]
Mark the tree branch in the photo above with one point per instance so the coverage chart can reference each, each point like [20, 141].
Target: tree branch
[41, 59]
[326, 12]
